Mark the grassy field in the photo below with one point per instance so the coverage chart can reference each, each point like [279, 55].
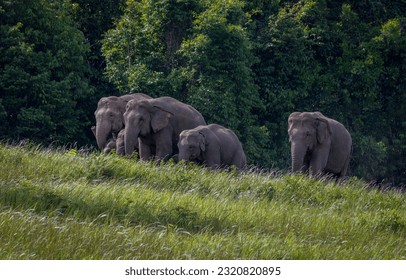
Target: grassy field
[67, 205]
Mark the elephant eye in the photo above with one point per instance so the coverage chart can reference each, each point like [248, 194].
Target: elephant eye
[307, 133]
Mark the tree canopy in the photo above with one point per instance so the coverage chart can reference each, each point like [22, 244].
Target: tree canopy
[244, 64]
[43, 75]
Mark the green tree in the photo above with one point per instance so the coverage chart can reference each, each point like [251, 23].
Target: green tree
[356, 74]
[220, 79]
[284, 72]
[342, 58]
[196, 51]
[141, 50]
[94, 18]
[249, 64]
[390, 47]
[43, 77]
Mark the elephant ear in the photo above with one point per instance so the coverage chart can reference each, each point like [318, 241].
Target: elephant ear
[323, 129]
[159, 119]
[93, 129]
[202, 142]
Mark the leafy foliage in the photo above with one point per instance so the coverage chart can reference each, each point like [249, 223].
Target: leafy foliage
[329, 56]
[244, 64]
[220, 80]
[94, 18]
[44, 74]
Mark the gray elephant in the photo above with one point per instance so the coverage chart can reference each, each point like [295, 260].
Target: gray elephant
[120, 148]
[109, 117]
[156, 125]
[213, 145]
[318, 144]
[113, 143]
[116, 144]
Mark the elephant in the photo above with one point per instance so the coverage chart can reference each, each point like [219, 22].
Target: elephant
[213, 145]
[156, 125]
[318, 144]
[120, 149]
[113, 143]
[109, 117]
[116, 144]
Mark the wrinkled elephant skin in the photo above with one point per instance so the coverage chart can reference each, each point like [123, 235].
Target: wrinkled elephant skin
[156, 125]
[318, 144]
[213, 145]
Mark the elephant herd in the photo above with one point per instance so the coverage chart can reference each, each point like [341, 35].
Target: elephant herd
[162, 128]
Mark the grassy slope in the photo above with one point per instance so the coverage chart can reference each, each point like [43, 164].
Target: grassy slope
[63, 205]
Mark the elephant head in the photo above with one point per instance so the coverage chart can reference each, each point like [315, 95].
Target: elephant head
[111, 145]
[109, 116]
[307, 131]
[191, 145]
[141, 119]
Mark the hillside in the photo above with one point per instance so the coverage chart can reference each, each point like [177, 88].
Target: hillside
[64, 204]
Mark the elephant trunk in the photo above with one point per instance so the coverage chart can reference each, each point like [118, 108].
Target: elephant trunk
[130, 139]
[298, 153]
[102, 133]
[183, 155]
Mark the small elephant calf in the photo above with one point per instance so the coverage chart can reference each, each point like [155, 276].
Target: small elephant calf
[212, 145]
[114, 143]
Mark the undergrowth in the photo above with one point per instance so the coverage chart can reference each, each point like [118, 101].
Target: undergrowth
[65, 204]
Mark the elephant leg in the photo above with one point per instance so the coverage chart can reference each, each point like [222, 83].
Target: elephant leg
[163, 141]
[163, 150]
[145, 150]
[306, 163]
[345, 168]
[213, 160]
[239, 160]
[314, 170]
[318, 162]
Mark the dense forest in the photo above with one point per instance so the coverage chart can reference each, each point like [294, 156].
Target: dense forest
[243, 64]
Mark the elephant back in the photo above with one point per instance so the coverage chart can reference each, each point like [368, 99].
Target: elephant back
[183, 113]
[134, 96]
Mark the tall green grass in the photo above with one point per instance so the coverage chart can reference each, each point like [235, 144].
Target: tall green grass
[67, 205]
